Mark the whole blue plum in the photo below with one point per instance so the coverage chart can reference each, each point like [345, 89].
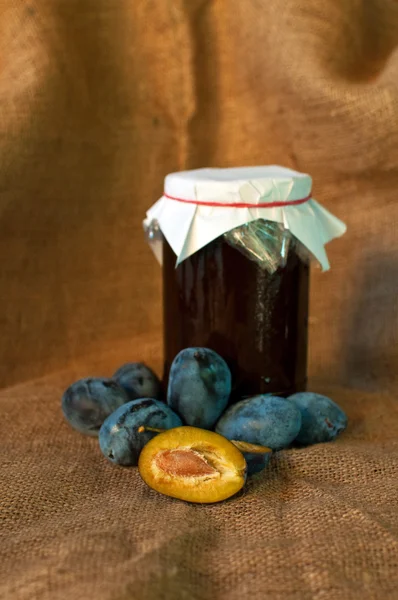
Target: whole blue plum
[266, 420]
[321, 419]
[119, 438]
[138, 380]
[199, 386]
[256, 462]
[88, 402]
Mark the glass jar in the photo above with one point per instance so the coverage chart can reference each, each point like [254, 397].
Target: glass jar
[257, 321]
[237, 294]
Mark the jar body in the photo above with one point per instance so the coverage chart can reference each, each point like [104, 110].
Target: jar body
[256, 321]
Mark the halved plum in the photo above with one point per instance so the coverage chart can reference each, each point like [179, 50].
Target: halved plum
[192, 464]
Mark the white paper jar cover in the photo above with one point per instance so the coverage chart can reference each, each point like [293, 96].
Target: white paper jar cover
[200, 205]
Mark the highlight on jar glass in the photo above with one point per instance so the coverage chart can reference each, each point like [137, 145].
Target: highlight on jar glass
[235, 247]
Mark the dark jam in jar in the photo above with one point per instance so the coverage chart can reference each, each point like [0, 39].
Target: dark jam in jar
[257, 322]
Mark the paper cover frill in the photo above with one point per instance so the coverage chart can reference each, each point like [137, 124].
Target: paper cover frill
[189, 227]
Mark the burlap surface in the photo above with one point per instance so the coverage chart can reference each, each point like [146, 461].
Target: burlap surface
[99, 100]
[319, 523]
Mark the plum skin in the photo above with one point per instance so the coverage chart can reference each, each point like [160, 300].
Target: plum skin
[256, 462]
[266, 420]
[322, 420]
[138, 380]
[199, 386]
[119, 438]
[89, 401]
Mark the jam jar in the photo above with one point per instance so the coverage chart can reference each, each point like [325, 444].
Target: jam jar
[235, 247]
